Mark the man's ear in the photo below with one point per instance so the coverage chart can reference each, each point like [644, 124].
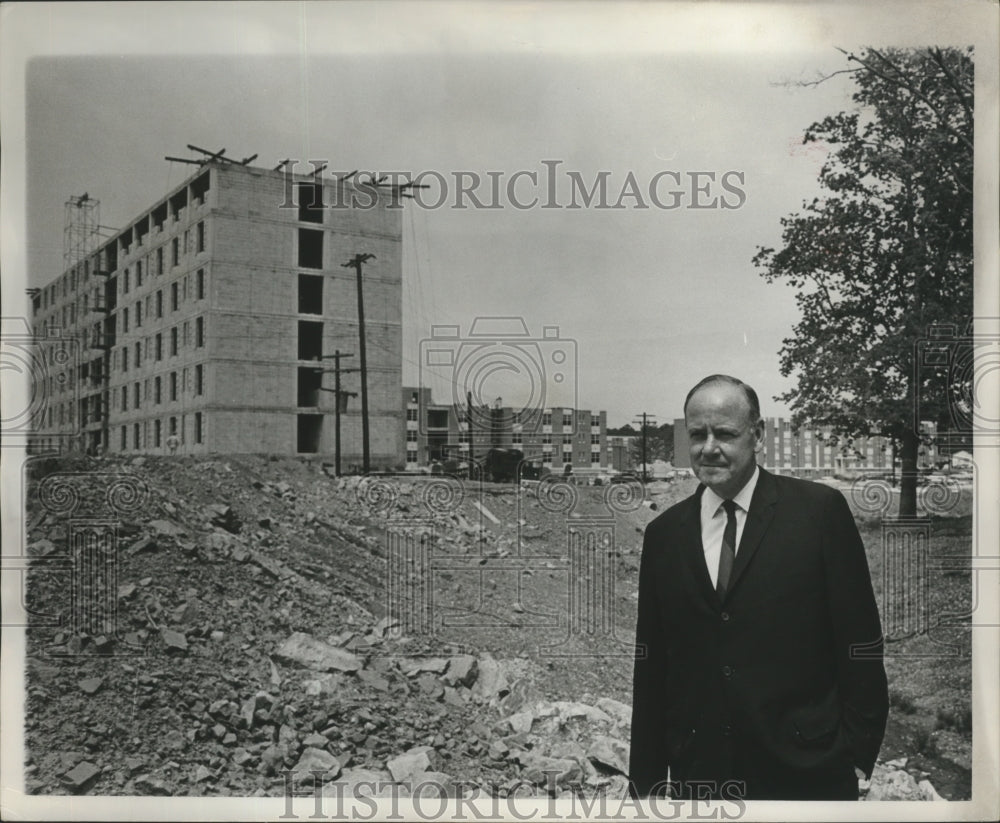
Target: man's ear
[759, 435]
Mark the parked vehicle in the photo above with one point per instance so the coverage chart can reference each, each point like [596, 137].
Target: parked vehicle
[501, 466]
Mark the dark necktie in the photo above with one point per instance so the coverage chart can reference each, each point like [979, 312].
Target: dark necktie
[728, 553]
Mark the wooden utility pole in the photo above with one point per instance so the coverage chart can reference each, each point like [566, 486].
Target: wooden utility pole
[356, 263]
[645, 471]
[337, 393]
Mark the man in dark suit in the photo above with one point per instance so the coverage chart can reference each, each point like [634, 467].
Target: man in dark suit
[758, 670]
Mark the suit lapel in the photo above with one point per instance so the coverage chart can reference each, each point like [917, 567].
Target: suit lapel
[765, 495]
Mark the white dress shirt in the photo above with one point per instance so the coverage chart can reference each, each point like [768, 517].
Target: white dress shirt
[713, 522]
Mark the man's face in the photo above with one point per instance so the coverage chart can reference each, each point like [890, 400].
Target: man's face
[724, 443]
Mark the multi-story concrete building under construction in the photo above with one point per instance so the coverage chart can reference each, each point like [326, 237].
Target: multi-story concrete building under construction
[553, 437]
[209, 323]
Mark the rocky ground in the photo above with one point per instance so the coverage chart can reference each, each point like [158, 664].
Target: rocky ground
[272, 619]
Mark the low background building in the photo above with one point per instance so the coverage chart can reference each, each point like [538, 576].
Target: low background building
[809, 452]
[556, 438]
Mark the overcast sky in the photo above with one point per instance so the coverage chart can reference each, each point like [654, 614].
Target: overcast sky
[647, 301]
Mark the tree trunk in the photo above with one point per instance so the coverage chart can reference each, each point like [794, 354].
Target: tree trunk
[908, 473]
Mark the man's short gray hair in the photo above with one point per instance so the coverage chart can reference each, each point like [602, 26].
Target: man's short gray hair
[748, 393]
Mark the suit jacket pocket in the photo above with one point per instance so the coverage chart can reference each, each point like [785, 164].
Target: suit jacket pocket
[812, 726]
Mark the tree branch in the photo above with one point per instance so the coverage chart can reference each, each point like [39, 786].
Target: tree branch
[962, 97]
[905, 84]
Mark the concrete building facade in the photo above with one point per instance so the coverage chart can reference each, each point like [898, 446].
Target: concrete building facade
[556, 438]
[207, 324]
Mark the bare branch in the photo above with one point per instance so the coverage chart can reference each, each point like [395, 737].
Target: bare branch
[801, 84]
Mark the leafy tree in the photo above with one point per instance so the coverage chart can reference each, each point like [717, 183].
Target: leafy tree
[885, 253]
[659, 444]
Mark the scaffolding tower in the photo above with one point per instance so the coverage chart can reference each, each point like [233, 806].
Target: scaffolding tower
[81, 222]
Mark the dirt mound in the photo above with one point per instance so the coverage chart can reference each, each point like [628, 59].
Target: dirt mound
[211, 627]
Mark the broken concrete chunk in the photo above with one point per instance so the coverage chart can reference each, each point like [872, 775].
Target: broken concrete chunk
[317, 760]
[540, 770]
[894, 784]
[609, 753]
[491, 681]
[81, 776]
[376, 681]
[166, 527]
[145, 544]
[42, 547]
[407, 766]
[486, 512]
[223, 516]
[620, 712]
[241, 757]
[520, 722]
[174, 639]
[570, 709]
[91, 684]
[462, 670]
[302, 649]
[147, 784]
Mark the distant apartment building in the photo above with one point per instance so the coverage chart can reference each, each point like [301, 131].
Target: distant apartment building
[814, 452]
[554, 437]
[207, 324]
[620, 452]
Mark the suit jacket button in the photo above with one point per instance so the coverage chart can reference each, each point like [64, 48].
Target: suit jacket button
[727, 671]
[727, 730]
[725, 617]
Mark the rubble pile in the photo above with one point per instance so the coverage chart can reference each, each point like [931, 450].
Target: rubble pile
[253, 637]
